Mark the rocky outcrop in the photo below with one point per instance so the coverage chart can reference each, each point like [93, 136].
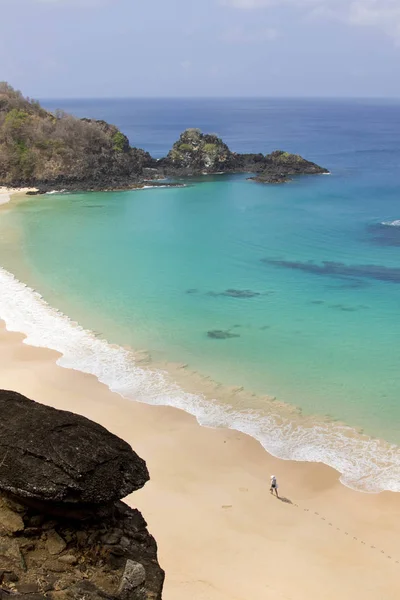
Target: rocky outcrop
[55, 456]
[58, 151]
[196, 153]
[279, 167]
[63, 532]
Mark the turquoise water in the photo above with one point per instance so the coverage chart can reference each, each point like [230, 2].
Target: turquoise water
[159, 269]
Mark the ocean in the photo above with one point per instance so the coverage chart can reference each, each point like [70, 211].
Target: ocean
[271, 309]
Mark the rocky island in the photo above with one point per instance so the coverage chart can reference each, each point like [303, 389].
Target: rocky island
[58, 151]
[64, 533]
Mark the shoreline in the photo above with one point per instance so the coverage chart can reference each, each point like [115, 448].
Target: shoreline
[220, 533]
[362, 462]
[6, 193]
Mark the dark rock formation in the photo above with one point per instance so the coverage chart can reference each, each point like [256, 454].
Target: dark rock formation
[196, 153]
[280, 166]
[55, 456]
[58, 151]
[63, 533]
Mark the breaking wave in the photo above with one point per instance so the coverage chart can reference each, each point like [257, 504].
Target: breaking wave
[365, 464]
[391, 223]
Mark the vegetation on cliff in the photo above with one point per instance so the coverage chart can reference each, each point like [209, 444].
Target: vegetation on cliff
[37, 146]
[197, 152]
[46, 150]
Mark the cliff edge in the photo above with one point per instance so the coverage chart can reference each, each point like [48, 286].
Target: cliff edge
[64, 533]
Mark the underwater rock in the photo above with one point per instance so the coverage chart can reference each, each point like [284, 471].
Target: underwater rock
[240, 293]
[340, 270]
[219, 334]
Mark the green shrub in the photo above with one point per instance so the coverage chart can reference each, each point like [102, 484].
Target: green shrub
[210, 148]
[185, 148]
[15, 119]
[119, 141]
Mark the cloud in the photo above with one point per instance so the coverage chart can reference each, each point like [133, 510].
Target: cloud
[381, 14]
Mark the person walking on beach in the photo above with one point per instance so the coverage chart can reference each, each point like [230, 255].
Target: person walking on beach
[274, 486]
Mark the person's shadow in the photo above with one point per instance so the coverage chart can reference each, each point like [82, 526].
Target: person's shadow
[285, 500]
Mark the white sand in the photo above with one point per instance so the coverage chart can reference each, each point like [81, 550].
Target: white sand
[6, 193]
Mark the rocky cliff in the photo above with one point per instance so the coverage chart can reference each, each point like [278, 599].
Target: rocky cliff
[196, 153]
[58, 151]
[64, 533]
[61, 151]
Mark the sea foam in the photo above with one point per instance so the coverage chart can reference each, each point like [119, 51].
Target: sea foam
[365, 464]
[391, 223]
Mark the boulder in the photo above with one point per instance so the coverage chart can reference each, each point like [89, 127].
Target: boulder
[55, 543]
[132, 582]
[53, 456]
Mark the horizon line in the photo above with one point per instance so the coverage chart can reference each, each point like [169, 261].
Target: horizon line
[41, 98]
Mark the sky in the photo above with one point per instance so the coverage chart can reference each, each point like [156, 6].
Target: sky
[163, 48]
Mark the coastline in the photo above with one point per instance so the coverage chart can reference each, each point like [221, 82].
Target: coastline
[6, 193]
[220, 533]
[363, 462]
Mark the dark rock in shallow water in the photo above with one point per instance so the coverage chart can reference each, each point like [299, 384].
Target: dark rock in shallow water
[240, 293]
[53, 456]
[341, 270]
[219, 334]
[231, 293]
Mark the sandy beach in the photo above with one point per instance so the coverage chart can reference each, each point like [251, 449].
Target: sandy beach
[6, 193]
[221, 535]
